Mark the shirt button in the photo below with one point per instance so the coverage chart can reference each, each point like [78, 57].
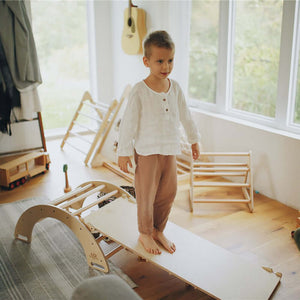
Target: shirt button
[164, 99]
[167, 109]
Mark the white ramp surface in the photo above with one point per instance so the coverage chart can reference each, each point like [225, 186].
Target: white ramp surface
[198, 262]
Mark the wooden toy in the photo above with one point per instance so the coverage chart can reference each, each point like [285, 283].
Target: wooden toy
[198, 262]
[104, 116]
[67, 187]
[213, 168]
[15, 172]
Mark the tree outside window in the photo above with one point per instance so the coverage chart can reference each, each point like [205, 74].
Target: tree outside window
[60, 31]
[256, 56]
[204, 50]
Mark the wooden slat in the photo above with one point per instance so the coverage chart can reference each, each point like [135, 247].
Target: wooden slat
[183, 165]
[198, 164]
[90, 116]
[84, 126]
[80, 137]
[218, 174]
[75, 147]
[224, 154]
[70, 194]
[219, 184]
[225, 200]
[83, 196]
[222, 169]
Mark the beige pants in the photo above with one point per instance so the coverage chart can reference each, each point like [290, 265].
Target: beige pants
[155, 187]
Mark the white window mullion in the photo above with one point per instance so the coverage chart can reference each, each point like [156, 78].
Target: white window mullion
[225, 56]
[294, 71]
[287, 65]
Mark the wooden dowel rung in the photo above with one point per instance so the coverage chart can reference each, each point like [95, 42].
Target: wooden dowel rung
[84, 126]
[80, 137]
[113, 252]
[184, 165]
[70, 194]
[218, 174]
[219, 184]
[221, 200]
[75, 147]
[83, 196]
[183, 176]
[101, 199]
[180, 171]
[222, 169]
[219, 164]
[100, 238]
[224, 154]
[101, 106]
[90, 117]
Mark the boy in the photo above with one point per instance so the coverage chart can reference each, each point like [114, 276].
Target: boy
[150, 130]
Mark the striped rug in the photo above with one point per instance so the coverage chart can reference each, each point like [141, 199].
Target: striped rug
[48, 268]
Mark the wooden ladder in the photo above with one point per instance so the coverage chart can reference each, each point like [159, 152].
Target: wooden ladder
[102, 117]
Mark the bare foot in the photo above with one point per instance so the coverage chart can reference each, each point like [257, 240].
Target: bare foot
[159, 236]
[149, 244]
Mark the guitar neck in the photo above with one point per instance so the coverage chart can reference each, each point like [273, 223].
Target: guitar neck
[129, 8]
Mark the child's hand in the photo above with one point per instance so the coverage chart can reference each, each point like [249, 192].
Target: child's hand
[123, 161]
[195, 151]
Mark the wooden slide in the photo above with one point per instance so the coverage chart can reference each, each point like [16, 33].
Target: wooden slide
[198, 262]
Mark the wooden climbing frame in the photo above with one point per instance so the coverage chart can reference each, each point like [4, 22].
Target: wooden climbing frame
[196, 261]
[217, 169]
[69, 209]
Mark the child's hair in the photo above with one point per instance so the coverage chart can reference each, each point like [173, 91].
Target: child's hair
[159, 39]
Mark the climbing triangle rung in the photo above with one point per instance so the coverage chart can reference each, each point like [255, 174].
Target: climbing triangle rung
[90, 117]
[80, 137]
[75, 147]
[84, 126]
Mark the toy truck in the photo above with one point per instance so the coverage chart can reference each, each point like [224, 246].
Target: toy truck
[16, 172]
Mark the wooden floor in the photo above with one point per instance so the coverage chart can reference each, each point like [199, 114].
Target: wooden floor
[262, 237]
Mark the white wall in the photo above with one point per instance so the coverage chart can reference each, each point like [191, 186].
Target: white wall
[276, 157]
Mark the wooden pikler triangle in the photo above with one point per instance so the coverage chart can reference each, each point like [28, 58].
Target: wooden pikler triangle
[198, 262]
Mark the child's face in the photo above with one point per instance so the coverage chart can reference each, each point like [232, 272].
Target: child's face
[160, 62]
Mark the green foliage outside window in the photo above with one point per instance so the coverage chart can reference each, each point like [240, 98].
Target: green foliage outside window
[60, 32]
[256, 56]
[204, 50]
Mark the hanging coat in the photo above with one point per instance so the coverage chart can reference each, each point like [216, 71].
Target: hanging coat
[18, 43]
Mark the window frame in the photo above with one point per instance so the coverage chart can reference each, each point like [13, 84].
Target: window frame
[287, 76]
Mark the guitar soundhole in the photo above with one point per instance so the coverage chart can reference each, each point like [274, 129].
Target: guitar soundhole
[129, 22]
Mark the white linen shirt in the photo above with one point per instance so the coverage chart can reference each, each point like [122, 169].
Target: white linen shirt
[151, 121]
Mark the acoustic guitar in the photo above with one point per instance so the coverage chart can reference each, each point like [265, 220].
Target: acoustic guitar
[134, 29]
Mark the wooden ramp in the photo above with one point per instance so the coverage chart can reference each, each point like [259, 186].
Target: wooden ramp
[198, 262]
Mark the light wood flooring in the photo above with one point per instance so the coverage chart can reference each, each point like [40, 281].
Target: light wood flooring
[262, 237]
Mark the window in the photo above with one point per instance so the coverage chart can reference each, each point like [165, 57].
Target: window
[60, 31]
[204, 50]
[256, 56]
[244, 60]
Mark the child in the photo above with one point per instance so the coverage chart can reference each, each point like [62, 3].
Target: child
[150, 130]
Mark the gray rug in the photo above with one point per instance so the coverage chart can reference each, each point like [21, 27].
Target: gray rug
[50, 267]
